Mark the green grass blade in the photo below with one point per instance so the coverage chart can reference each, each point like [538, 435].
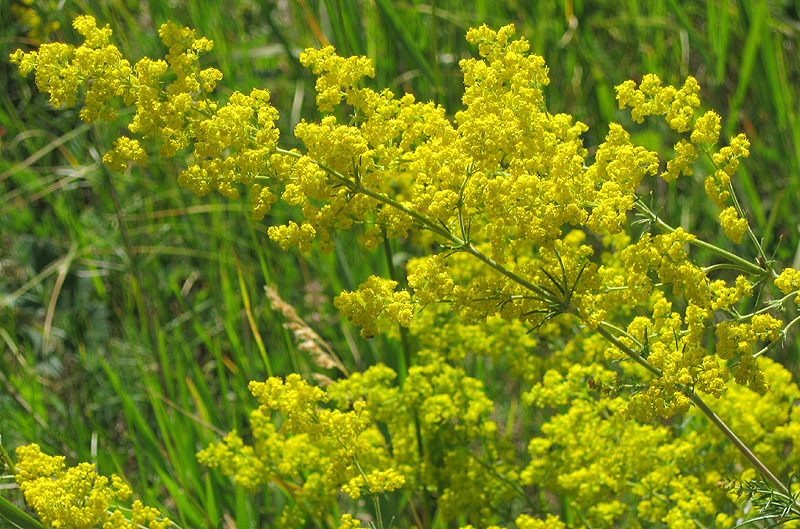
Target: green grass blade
[16, 516]
[143, 433]
[399, 27]
[752, 43]
[56, 143]
[722, 25]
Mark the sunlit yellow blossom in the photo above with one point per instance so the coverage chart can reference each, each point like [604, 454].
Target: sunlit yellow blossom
[788, 281]
[685, 155]
[734, 226]
[334, 72]
[124, 149]
[550, 522]
[651, 98]
[375, 482]
[348, 522]
[77, 497]
[375, 299]
[706, 128]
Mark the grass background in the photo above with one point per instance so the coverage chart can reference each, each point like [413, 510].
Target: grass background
[132, 314]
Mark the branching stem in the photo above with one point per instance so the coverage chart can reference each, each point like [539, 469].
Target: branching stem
[743, 448]
[741, 264]
[566, 306]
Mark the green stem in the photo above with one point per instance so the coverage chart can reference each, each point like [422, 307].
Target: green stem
[743, 448]
[742, 264]
[7, 459]
[725, 266]
[425, 222]
[633, 355]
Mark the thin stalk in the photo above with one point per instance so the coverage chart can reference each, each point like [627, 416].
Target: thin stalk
[743, 264]
[458, 243]
[632, 354]
[404, 338]
[743, 448]
[724, 266]
[7, 459]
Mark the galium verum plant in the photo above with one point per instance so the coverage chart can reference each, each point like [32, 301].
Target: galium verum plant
[527, 253]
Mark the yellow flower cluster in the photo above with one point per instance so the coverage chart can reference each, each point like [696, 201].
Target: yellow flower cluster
[375, 304]
[315, 453]
[232, 143]
[507, 182]
[534, 236]
[681, 163]
[653, 99]
[592, 454]
[375, 482]
[706, 129]
[77, 497]
[788, 281]
[432, 421]
[333, 73]
[38, 29]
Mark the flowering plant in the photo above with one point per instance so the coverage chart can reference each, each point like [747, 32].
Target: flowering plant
[529, 252]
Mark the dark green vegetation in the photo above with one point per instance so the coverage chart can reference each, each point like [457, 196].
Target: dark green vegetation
[132, 314]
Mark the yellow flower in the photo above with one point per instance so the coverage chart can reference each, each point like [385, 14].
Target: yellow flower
[734, 226]
[77, 497]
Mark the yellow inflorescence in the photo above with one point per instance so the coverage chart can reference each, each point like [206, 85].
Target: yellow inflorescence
[77, 497]
[508, 174]
[532, 233]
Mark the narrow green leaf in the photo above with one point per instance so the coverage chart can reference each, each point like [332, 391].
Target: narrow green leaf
[723, 31]
[143, 433]
[747, 63]
[17, 517]
[388, 10]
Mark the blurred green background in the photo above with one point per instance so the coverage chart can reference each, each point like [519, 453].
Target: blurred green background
[132, 314]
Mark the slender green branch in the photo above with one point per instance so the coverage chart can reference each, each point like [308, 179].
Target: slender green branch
[733, 438]
[632, 354]
[470, 249]
[726, 266]
[7, 459]
[743, 264]
[425, 222]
